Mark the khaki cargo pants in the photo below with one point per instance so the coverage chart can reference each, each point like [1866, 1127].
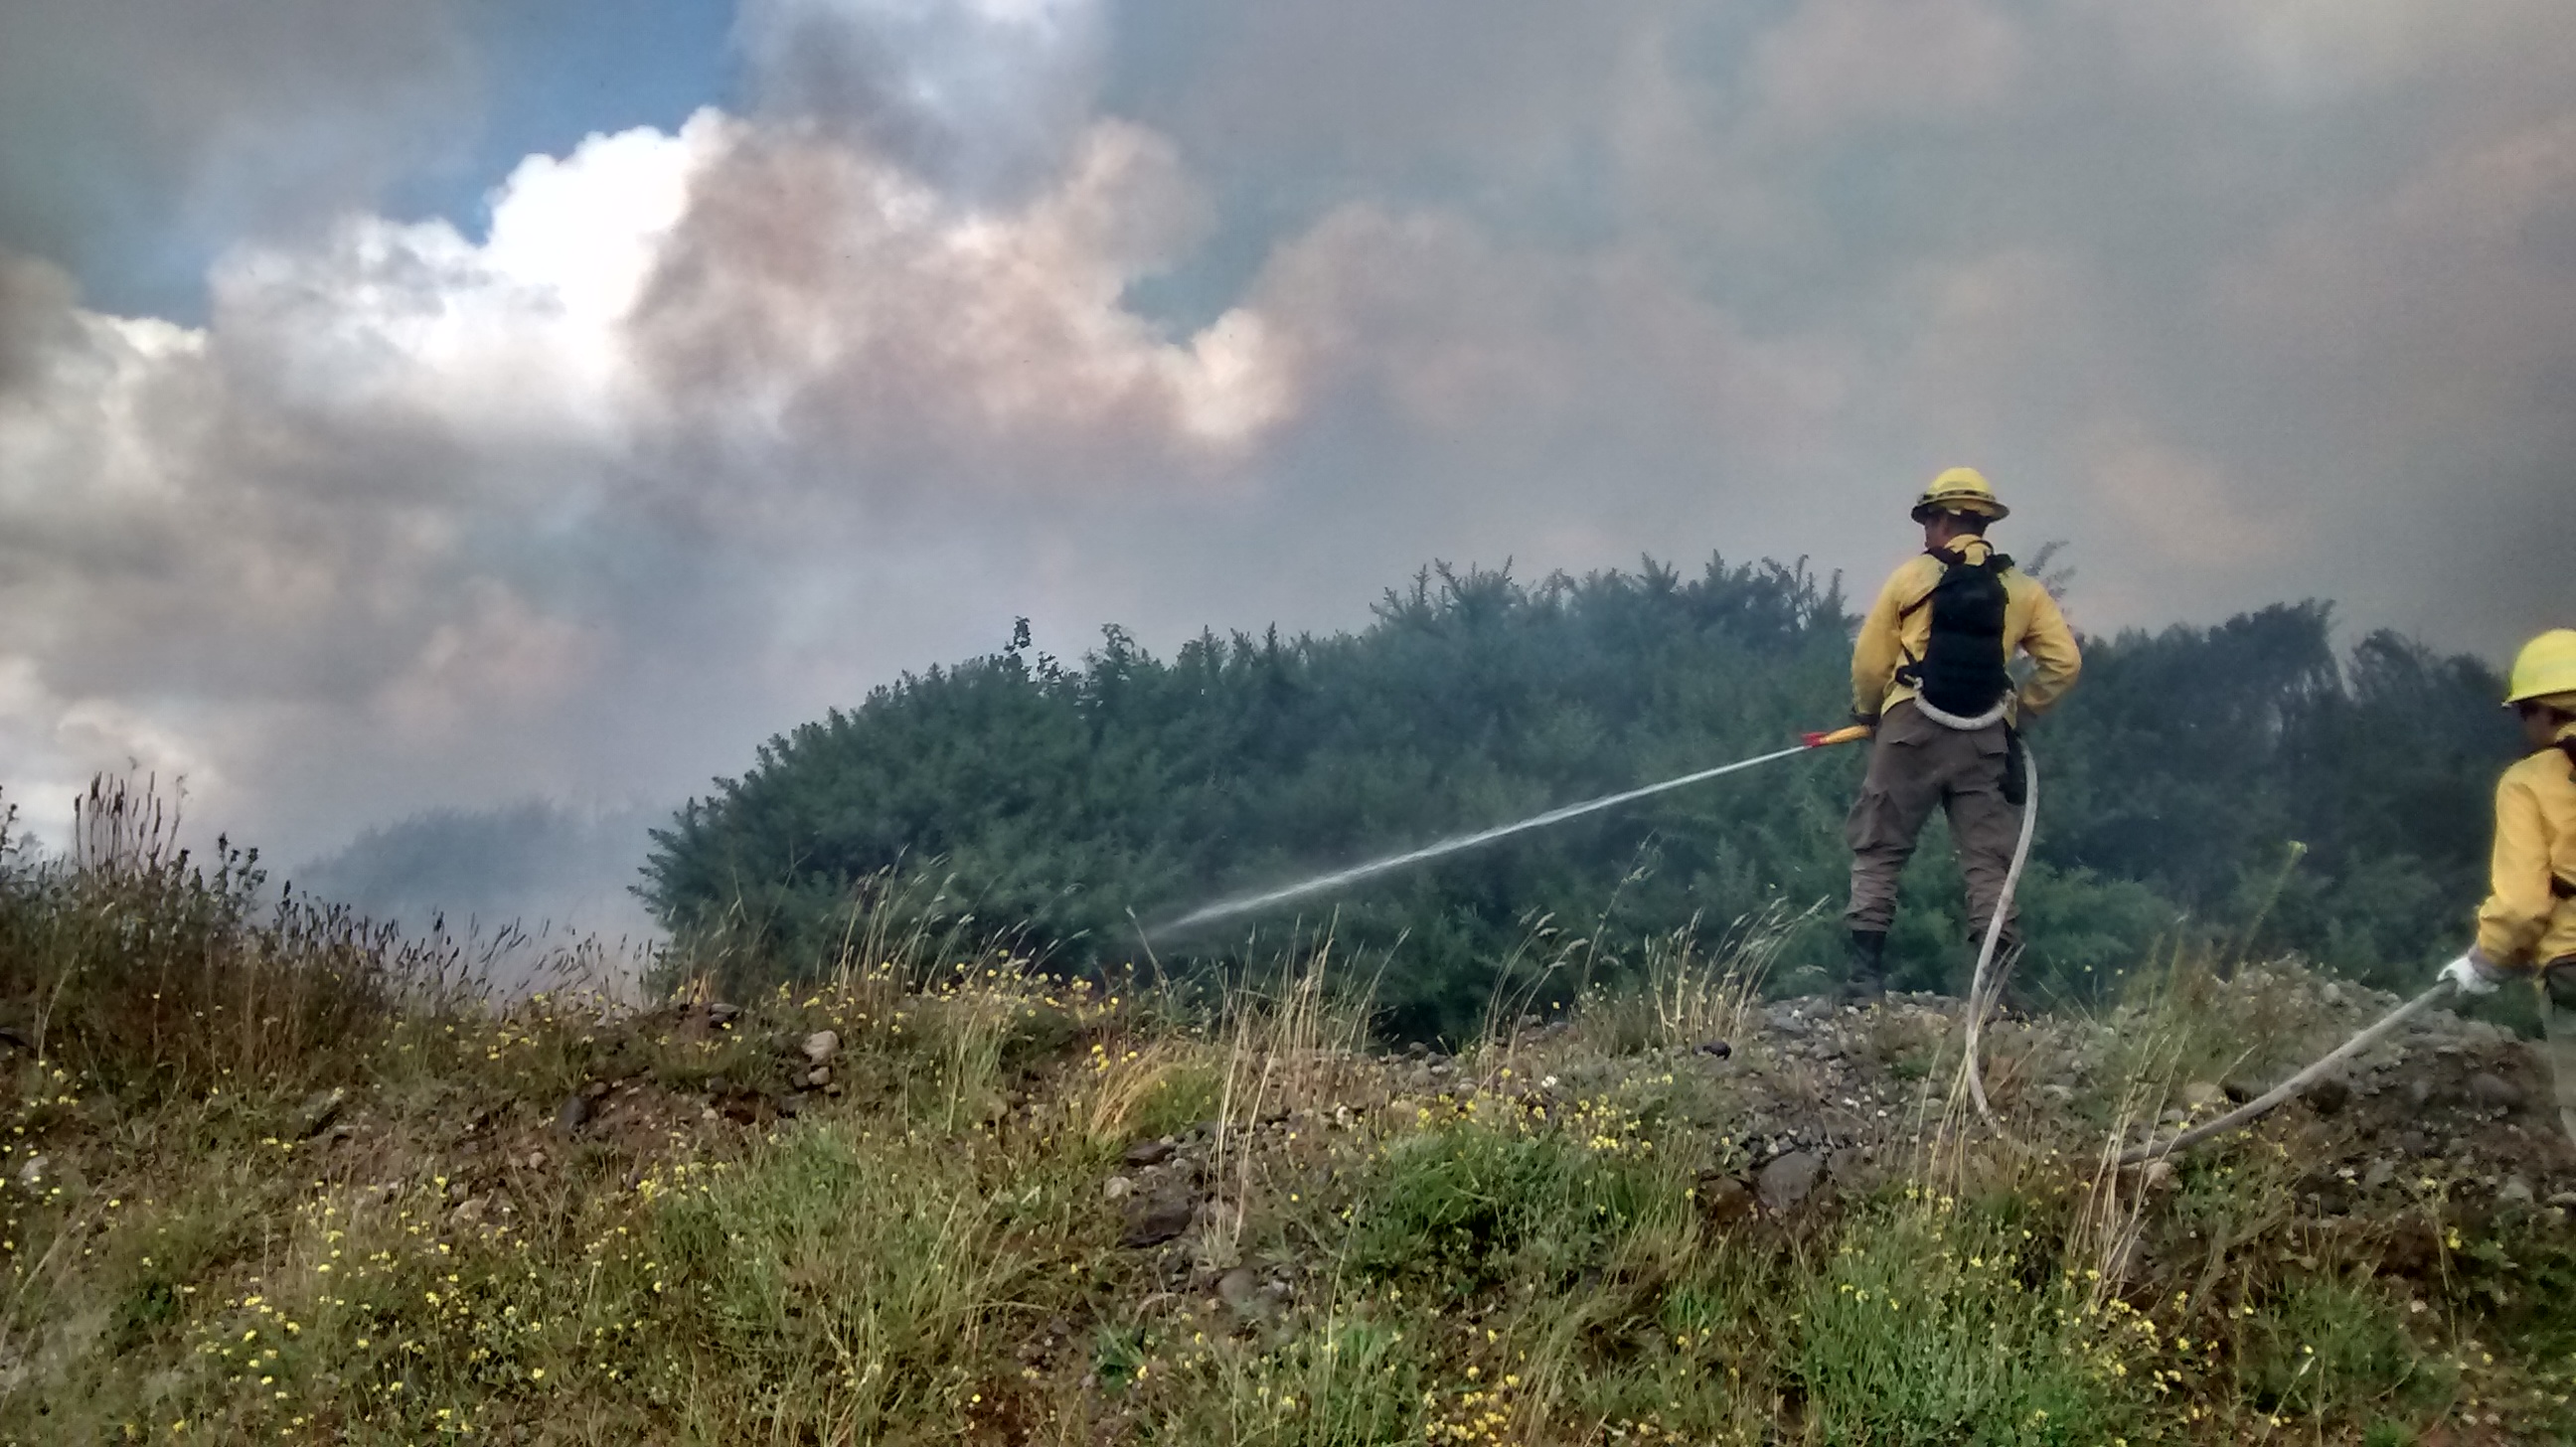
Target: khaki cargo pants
[1914, 764]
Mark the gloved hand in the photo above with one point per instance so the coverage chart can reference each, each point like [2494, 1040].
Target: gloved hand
[2471, 974]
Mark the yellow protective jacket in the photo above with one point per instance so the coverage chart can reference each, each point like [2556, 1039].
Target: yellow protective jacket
[1891, 634]
[2527, 921]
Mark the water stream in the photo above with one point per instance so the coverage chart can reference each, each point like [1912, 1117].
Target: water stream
[1340, 878]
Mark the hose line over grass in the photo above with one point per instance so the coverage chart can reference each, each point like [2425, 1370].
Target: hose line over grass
[2262, 1105]
[1983, 990]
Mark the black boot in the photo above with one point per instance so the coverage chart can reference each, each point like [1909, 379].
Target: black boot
[1867, 977]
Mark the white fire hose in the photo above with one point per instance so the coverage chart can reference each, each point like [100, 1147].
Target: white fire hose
[1982, 993]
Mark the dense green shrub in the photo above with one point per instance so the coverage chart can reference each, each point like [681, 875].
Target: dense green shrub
[1094, 802]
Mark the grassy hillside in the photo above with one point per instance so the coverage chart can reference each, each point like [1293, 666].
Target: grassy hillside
[272, 1177]
[1081, 805]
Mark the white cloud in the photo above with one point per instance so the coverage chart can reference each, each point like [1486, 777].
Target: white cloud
[408, 478]
[821, 303]
[517, 339]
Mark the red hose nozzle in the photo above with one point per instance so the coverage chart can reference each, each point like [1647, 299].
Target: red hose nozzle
[1835, 736]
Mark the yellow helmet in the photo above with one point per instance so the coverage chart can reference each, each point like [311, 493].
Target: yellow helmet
[2544, 670]
[1961, 489]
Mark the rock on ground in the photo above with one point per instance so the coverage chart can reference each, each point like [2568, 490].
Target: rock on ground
[1787, 1181]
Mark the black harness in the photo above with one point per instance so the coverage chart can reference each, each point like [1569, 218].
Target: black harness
[1962, 668]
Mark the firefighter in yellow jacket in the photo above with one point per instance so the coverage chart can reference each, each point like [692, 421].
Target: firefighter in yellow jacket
[2529, 920]
[1929, 675]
